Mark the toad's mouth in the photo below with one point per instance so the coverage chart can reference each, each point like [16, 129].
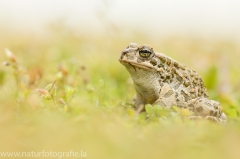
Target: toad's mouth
[134, 64]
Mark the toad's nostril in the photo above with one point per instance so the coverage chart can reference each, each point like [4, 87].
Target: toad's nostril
[124, 52]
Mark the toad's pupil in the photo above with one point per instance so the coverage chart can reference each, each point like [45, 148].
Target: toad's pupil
[145, 53]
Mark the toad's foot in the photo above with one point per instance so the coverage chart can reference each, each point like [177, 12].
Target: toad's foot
[210, 118]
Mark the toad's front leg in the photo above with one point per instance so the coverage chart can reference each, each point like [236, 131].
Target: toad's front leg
[138, 103]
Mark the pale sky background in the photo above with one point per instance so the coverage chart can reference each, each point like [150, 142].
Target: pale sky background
[154, 17]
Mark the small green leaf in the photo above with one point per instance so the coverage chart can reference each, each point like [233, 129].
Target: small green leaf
[175, 108]
[149, 109]
[58, 76]
[142, 117]
[131, 112]
[185, 112]
[49, 86]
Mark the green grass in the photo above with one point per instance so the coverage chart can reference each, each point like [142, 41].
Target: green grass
[88, 108]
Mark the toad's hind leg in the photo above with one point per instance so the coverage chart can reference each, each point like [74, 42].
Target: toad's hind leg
[208, 109]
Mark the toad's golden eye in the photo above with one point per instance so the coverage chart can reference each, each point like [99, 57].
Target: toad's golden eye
[145, 53]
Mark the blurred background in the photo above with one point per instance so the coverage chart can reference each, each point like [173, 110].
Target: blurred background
[207, 32]
[156, 18]
[89, 107]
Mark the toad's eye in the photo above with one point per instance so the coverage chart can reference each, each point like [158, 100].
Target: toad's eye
[145, 53]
